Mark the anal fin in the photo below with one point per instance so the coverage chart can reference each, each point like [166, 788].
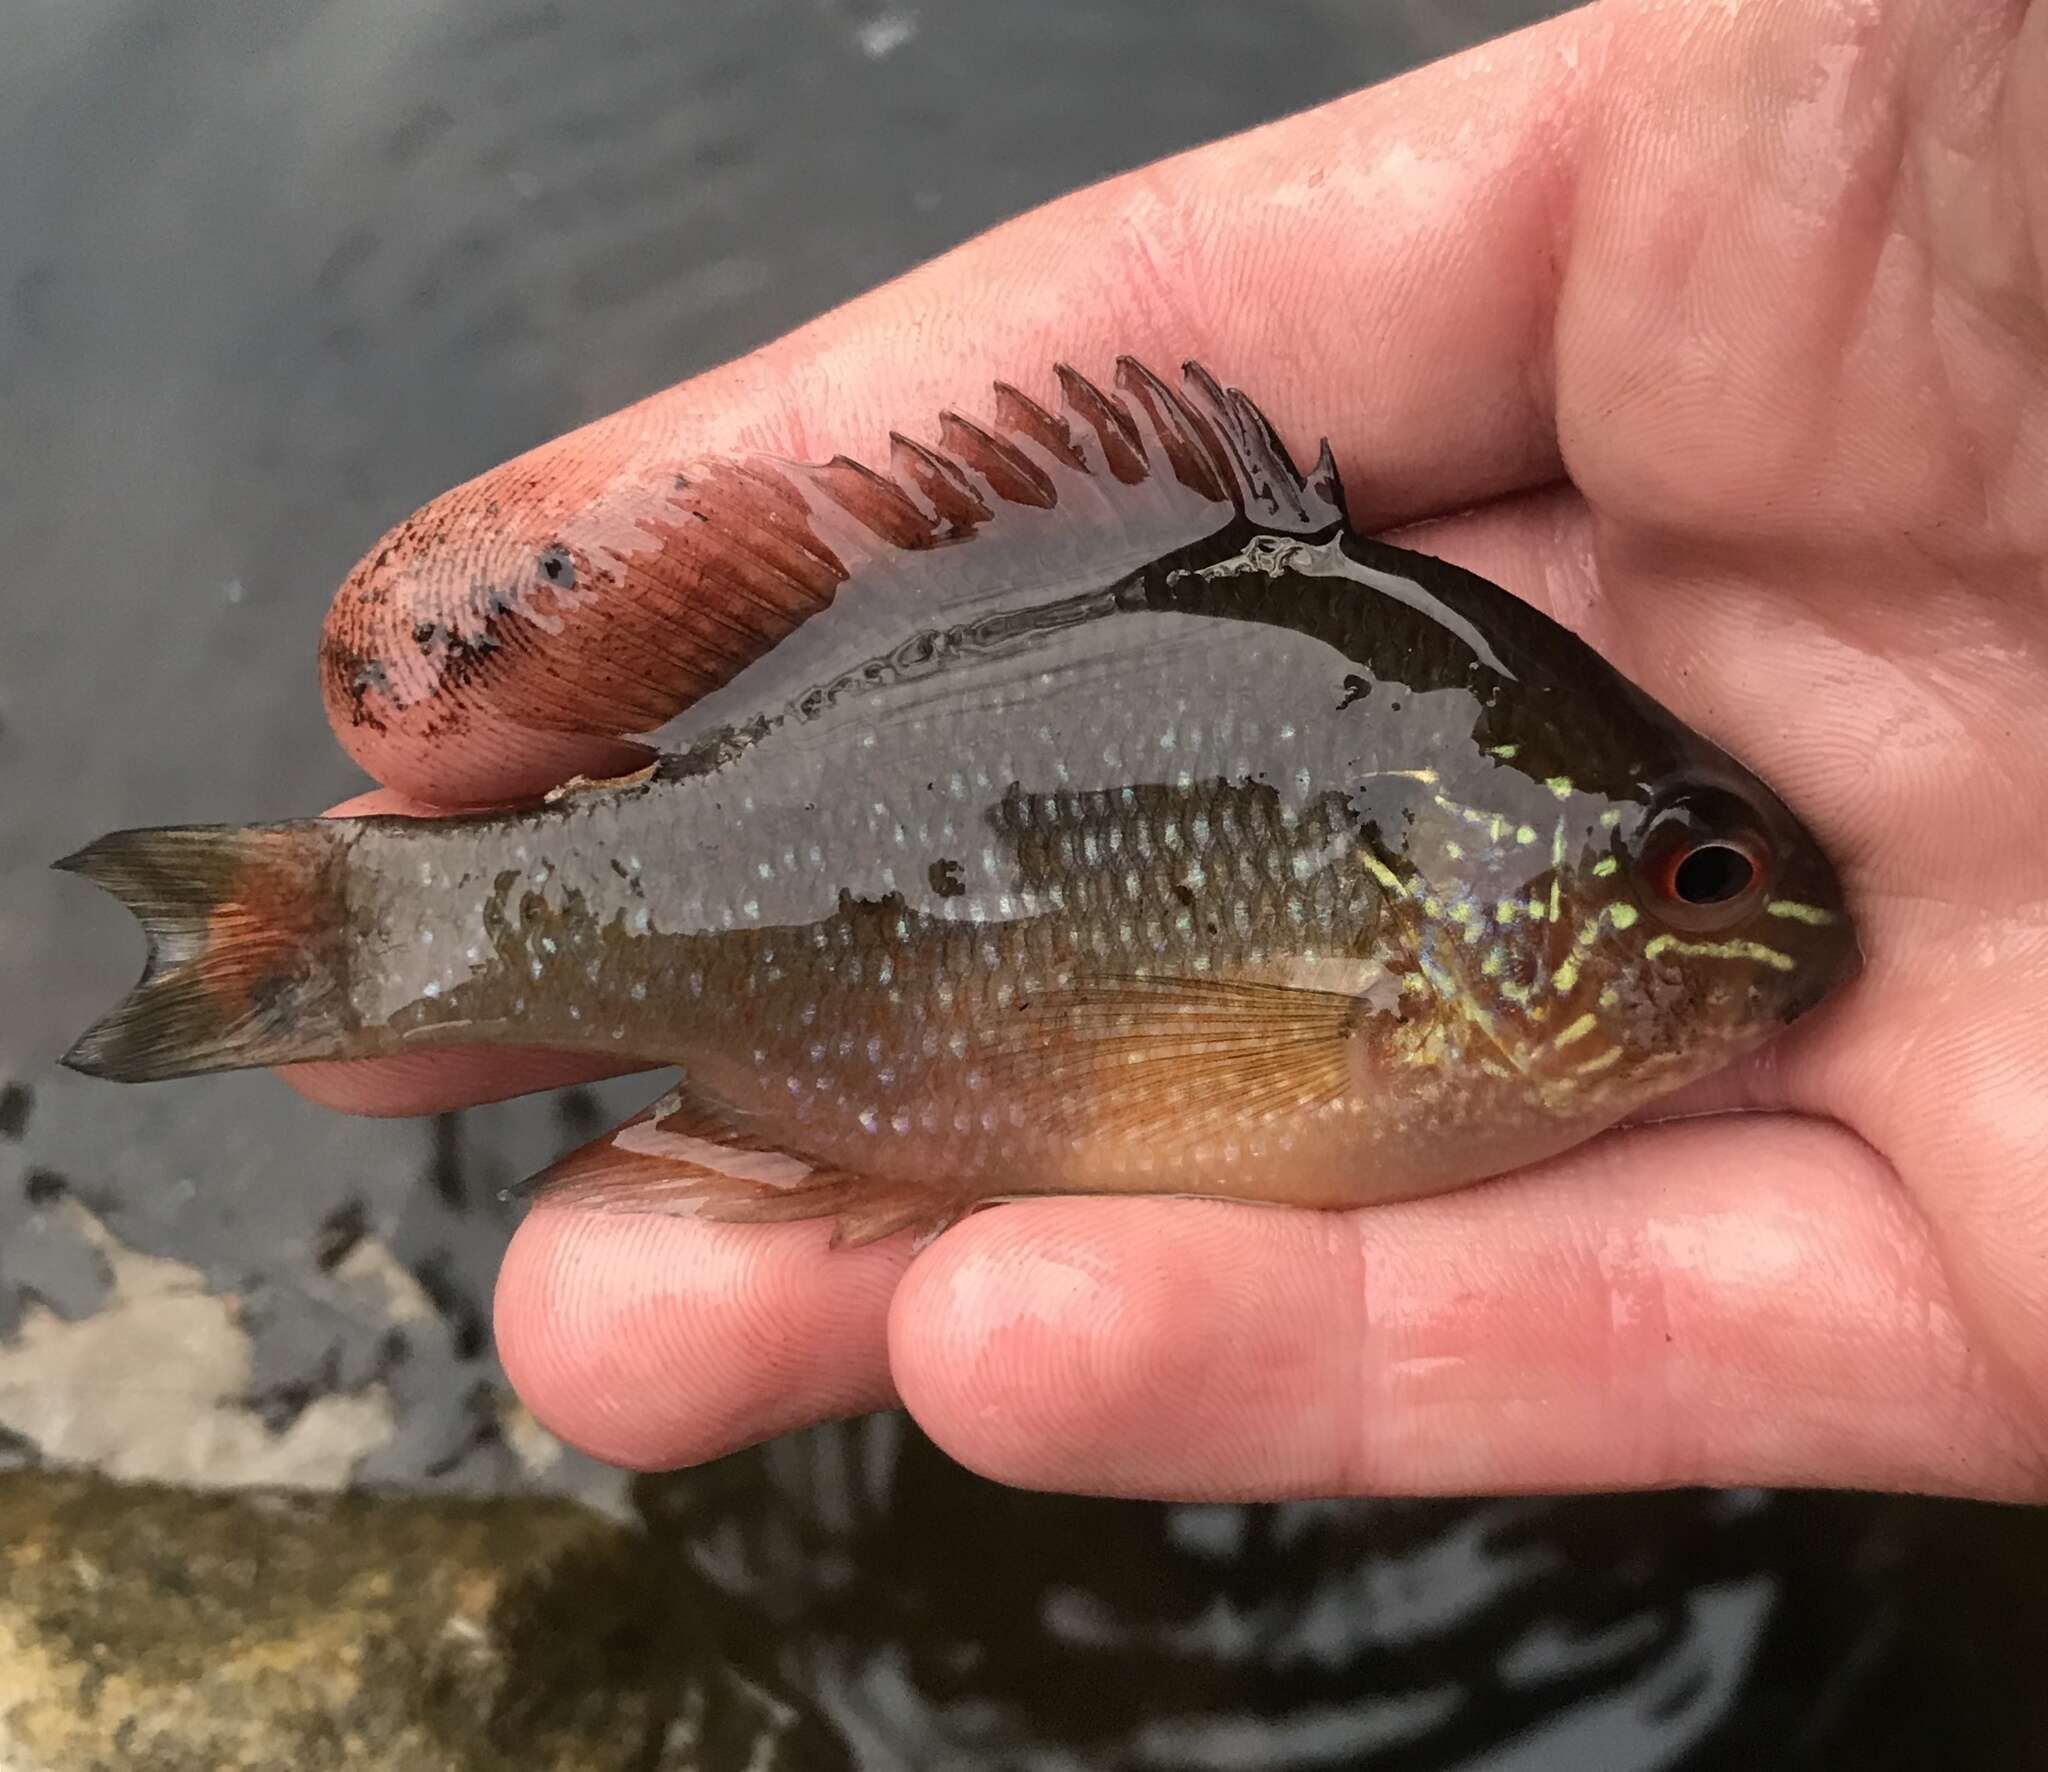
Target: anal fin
[684, 1158]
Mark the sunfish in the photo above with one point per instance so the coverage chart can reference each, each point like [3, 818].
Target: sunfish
[1079, 806]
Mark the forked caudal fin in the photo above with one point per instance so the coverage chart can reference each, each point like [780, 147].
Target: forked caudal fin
[241, 921]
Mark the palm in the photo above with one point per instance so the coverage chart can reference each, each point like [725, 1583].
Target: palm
[1804, 431]
[1724, 330]
[1811, 428]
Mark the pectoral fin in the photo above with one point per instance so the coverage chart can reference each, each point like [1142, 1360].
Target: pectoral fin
[1134, 1057]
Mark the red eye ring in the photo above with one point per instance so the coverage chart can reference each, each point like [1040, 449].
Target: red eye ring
[1701, 872]
[1708, 871]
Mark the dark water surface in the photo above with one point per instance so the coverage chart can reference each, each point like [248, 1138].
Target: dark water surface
[271, 274]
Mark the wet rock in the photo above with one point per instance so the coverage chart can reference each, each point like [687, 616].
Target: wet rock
[156, 1381]
[153, 1629]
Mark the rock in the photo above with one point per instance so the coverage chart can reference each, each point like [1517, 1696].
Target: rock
[153, 1629]
[154, 1381]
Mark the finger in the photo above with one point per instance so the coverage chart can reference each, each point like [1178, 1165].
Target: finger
[1751, 1301]
[655, 1342]
[436, 1082]
[1382, 270]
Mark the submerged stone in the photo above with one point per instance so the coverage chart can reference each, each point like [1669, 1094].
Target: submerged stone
[152, 1629]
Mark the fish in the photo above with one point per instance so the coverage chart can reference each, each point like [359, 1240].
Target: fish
[1078, 804]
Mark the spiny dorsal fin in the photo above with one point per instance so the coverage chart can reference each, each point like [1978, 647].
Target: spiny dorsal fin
[1207, 439]
[1269, 487]
[601, 586]
[1015, 510]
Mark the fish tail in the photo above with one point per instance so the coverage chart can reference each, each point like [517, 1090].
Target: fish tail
[244, 968]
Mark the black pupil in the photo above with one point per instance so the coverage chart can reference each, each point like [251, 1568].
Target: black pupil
[1712, 874]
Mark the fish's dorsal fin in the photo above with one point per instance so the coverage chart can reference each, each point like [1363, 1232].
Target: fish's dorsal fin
[576, 603]
[1204, 438]
[797, 572]
[1270, 488]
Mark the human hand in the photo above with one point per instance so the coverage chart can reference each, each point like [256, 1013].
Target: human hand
[1722, 332]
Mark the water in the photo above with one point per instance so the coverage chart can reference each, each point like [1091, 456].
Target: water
[925, 1618]
[273, 272]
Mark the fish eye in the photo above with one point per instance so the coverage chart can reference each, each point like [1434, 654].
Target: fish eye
[1710, 873]
[1702, 862]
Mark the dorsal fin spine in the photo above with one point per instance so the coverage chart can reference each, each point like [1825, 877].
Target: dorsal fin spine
[1010, 473]
[1031, 424]
[1110, 424]
[1193, 452]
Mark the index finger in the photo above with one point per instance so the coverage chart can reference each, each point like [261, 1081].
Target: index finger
[1381, 270]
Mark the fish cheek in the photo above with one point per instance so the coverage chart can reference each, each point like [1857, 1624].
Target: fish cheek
[1712, 996]
[1686, 1011]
